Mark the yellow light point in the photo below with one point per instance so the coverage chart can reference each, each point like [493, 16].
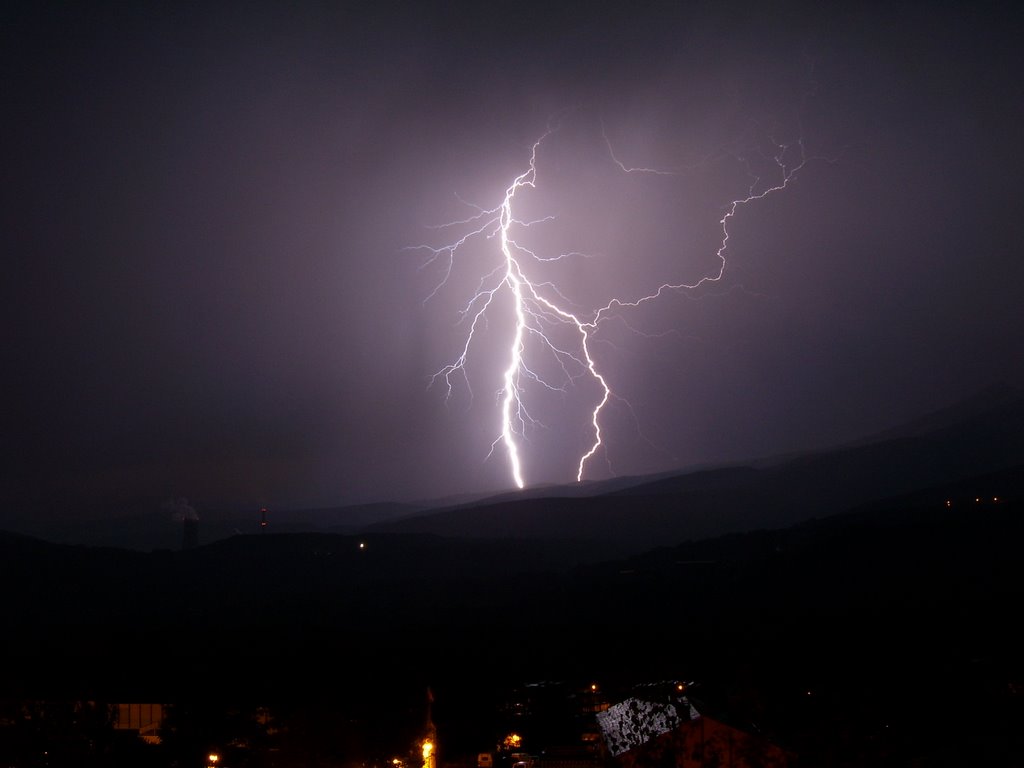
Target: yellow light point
[513, 741]
[213, 758]
[428, 748]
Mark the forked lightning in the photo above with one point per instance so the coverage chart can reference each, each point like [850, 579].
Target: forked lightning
[536, 304]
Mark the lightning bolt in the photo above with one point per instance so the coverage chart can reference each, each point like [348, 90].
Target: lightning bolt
[538, 307]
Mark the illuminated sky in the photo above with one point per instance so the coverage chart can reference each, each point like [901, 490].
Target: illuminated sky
[208, 292]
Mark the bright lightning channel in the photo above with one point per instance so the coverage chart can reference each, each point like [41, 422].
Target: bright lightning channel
[537, 304]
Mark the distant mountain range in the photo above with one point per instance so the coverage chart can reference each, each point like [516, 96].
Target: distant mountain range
[979, 436]
[841, 592]
[917, 585]
[624, 515]
[863, 598]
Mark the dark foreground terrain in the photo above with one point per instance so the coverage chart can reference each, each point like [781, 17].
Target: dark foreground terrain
[884, 635]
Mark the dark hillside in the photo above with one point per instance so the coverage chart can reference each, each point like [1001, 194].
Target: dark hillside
[911, 566]
[714, 502]
[856, 634]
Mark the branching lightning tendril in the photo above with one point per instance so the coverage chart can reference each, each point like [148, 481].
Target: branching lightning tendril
[537, 306]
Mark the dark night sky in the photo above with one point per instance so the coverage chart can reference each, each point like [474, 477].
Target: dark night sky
[205, 213]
